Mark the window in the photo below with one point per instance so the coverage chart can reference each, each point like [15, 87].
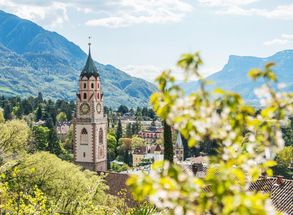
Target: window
[84, 154]
[92, 85]
[84, 137]
[98, 85]
[98, 95]
[84, 96]
[101, 136]
[84, 85]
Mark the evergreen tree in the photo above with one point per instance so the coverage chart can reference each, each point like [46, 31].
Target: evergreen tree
[39, 114]
[40, 136]
[129, 130]
[54, 144]
[168, 145]
[119, 131]
[122, 109]
[40, 98]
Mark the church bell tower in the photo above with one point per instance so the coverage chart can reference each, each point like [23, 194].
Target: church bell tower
[90, 123]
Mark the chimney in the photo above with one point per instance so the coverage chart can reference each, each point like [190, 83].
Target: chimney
[194, 168]
[280, 180]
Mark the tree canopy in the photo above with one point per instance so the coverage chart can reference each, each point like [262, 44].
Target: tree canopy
[246, 141]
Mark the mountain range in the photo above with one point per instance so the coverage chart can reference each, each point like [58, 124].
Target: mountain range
[233, 76]
[34, 60]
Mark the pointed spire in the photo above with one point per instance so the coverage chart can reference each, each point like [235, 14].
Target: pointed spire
[89, 68]
[89, 45]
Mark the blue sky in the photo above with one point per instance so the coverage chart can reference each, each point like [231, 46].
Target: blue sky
[143, 37]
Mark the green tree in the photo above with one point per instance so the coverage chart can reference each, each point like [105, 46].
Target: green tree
[68, 189]
[284, 160]
[168, 145]
[122, 109]
[128, 132]
[288, 133]
[243, 137]
[137, 142]
[39, 113]
[124, 149]
[119, 168]
[2, 119]
[111, 147]
[14, 136]
[119, 131]
[61, 117]
[40, 137]
[68, 142]
[54, 145]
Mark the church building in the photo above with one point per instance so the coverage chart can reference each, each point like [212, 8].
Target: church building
[90, 123]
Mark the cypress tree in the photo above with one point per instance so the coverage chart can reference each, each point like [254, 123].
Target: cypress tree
[128, 130]
[168, 145]
[119, 131]
[39, 114]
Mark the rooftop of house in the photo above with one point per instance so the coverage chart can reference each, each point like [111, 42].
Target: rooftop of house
[67, 123]
[140, 150]
[198, 159]
[280, 190]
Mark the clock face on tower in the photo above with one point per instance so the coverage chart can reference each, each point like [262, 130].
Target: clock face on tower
[99, 108]
[84, 108]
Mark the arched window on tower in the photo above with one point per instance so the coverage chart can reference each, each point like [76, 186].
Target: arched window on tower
[92, 85]
[84, 96]
[101, 135]
[83, 137]
[84, 85]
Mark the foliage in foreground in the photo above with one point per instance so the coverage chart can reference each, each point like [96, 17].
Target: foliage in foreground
[247, 142]
[67, 189]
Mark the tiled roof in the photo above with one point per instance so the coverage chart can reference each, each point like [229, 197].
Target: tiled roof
[280, 191]
[90, 69]
[117, 184]
[199, 159]
[140, 150]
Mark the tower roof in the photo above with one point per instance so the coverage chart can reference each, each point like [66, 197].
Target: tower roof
[90, 68]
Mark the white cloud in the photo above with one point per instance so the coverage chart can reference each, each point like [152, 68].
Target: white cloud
[52, 15]
[283, 40]
[223, 3]
[147, 72]
[115, 13]
[243, 8]
[129, 12]
[150, 72]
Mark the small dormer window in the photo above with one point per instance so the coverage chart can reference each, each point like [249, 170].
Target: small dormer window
[84, 85]
[92, 85]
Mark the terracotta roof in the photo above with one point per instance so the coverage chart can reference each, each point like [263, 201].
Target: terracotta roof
[280, 191]
[117, 186]
[199, 159]
[155, 148]
[140, 150]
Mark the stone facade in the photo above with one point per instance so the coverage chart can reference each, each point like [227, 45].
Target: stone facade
[90, 123]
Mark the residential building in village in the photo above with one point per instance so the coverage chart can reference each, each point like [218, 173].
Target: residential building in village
[62, 129]
[151, 135]
[155, 152]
